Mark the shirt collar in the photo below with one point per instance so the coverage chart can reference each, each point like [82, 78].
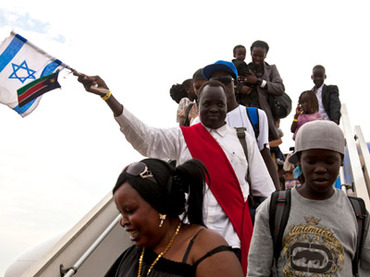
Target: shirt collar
[221, 131]
[320, 88]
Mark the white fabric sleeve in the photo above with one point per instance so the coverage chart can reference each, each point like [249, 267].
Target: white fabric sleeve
[260, 258]
[149, 141]
[263, 137]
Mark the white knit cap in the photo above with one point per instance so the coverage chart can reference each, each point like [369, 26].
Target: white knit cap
[318, 134]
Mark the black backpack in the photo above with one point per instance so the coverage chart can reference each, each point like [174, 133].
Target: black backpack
[279, 215]
[187, 111]
[281, 105]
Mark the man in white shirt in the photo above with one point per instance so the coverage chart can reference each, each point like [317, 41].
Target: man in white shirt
[171, 143]
[237, 114]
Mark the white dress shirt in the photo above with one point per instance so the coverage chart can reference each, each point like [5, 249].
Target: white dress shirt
[238, 117]
[321, 105]
[169, 143]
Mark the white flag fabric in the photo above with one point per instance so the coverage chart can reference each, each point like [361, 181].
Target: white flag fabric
[21, 63]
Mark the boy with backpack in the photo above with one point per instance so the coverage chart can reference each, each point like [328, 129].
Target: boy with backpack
[322, 233]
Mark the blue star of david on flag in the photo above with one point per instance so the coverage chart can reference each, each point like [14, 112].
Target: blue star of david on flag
[24, 69]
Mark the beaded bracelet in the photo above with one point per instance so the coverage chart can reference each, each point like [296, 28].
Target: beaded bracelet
[106, 96]
[295, 120]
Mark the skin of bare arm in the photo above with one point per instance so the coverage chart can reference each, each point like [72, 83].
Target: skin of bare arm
[96, 85]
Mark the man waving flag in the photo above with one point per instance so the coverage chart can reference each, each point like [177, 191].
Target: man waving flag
[26, 72]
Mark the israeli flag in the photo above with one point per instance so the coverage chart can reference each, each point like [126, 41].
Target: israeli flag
[21, 63]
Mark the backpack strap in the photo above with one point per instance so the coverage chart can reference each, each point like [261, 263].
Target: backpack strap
[241, 135]
[252, 113]
[279, 215]
[361, 213]
[187, 121]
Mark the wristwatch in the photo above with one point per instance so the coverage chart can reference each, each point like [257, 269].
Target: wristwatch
[259, 81]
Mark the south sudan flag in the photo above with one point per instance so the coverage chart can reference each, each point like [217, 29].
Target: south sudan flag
[37, 88]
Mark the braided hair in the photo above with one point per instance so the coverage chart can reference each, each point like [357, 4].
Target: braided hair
[177, 92]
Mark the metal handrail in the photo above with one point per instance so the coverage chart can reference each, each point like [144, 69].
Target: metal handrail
[68, 272]
[358, 178]
[364, 156]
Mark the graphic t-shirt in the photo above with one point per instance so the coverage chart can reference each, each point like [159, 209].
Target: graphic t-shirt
[315, 240]
[319, 239]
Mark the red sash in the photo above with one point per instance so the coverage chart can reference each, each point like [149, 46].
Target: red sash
[224, 183]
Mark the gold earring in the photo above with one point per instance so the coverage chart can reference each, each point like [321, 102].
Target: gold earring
[162, 217]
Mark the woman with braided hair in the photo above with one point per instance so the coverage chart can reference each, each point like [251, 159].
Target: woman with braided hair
[154, 199]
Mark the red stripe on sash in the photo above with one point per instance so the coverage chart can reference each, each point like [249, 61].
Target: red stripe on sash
[224, 183]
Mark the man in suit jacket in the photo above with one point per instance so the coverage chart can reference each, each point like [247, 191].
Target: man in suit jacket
[327, 95]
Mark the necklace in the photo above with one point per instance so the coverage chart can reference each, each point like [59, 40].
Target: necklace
[160, 255]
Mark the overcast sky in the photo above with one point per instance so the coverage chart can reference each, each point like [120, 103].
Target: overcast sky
[56, 163]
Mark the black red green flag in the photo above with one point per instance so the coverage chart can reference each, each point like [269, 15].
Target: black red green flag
[36, 88]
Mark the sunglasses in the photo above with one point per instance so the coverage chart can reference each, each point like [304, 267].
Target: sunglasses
[140, 169]
[223, 79]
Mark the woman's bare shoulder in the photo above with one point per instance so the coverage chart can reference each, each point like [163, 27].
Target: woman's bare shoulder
[210, 238]
[214, 256]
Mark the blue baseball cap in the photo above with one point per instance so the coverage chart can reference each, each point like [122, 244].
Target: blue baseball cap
[220, 66]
